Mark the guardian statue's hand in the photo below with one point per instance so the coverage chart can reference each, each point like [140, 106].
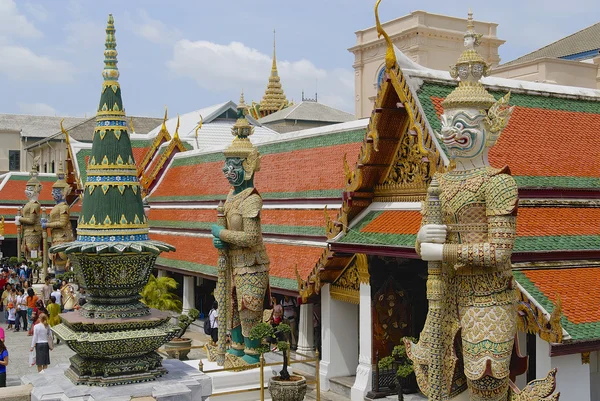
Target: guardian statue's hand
[432, 233]
[216, 230]
[217, 243]
[44, 222]
[17, 222]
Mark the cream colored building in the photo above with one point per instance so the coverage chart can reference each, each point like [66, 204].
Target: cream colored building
[573, 61]
[435, 41]
[432, 40]
[19, 131]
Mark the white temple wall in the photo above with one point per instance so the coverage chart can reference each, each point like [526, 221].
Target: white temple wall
[339, 331]
[573, 378]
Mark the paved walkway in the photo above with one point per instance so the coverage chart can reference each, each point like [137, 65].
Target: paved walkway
[18, 345]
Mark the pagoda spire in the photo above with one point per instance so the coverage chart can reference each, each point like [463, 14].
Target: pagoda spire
[274, 98]
[274, 66]
[112, 208]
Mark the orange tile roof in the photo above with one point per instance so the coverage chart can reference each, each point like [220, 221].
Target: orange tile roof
[395, 222]
[193, 180]
[283, 257]
[546, 221]
[14, 190]
[295, 171]
[578, 289]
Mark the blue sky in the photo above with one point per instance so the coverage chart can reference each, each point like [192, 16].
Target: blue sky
[190, 54]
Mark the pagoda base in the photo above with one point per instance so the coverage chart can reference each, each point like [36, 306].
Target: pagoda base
[115, 351]
[112, 372]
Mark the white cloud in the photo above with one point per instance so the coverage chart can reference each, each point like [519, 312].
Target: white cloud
[20, 63]
[37, 109]
[151, 29]
[235, 66]
[37, 10]
[12, 22]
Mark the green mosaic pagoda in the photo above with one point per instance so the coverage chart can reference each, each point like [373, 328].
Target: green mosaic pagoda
[113, 335]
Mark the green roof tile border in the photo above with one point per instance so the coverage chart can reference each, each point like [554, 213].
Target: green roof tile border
[23, 202]
[27, 177]
[557, 182]
[329, 193]
[266, 228]
[338, 138]
[275, 282]
[578, 332]
[557, 243]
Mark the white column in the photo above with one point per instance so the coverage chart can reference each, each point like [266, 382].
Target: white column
[306, 332]
[188, 293]
[161, 273]
[364, 376]
[339, 331]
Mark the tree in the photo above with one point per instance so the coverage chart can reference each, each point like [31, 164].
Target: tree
[158, 294]
[267, 333]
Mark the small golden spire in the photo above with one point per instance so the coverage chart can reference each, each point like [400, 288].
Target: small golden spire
[274, 66]
[274, 98]
[470, 23]
[110, 73]
[242, 101]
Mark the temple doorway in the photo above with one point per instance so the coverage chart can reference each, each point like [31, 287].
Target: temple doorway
[398, 301]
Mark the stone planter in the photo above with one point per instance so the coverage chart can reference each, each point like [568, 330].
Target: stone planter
[292, 390]
[178, 343]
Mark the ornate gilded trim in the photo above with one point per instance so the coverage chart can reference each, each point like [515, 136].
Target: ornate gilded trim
[533, 320]
[346, 287]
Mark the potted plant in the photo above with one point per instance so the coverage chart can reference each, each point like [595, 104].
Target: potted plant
[284, 387]
[158, 294]
[405, 373]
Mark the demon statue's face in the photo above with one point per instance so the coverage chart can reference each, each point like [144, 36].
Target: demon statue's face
[234, 171]
[58, 195]
[463, 133]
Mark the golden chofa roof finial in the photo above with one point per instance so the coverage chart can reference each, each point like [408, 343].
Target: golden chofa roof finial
[390, 55]
[110, 72]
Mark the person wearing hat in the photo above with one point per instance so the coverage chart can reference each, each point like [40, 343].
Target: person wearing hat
[30, 215]
[59, 222]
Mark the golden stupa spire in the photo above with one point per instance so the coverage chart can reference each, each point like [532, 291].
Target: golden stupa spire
[274, 99]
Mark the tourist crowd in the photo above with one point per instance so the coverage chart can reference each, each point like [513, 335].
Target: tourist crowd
[22, 309]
